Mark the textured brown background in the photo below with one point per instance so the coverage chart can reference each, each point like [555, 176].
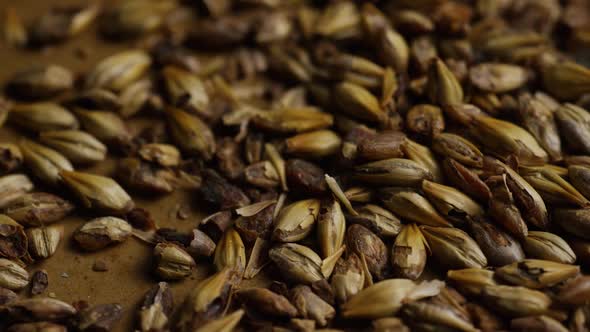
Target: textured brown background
[130, 273]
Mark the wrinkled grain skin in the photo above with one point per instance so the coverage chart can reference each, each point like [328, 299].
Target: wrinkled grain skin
[466, 180]
[383, 146]
[499, 248]
[365, 243]
[539, 119]
[574, 221]
[267, 302]
[219, 192]
[305, 176]
[257, 226]
[580, 178]
[144, 178]
[13, 240]
[39, 282]
[425, 120]
[503, 208]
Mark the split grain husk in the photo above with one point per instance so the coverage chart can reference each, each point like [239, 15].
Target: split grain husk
[499, 247]
[453, 248]
[296, 221]
[386, 298]
[377, 219]
[451, 203]
[471, 281]
[99, 317]
[425, 120]
[12, 275]
[408, 204]
[165, 155]
[44, 241]
[156, 308]
[536, 273]
[458, 148]
[331, 228]
[101, 232]
[206, 301]
[392, 172]
[548, 246]
[37, 209]
[230, 252]
[185, 90]
[297, 263]
[172, 261]
[311, 306]
[348, 277]
[13, 239]
[423, 157]
[369, 247]
[409, 253]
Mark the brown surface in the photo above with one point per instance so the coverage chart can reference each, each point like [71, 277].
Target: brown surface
[129, 275]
